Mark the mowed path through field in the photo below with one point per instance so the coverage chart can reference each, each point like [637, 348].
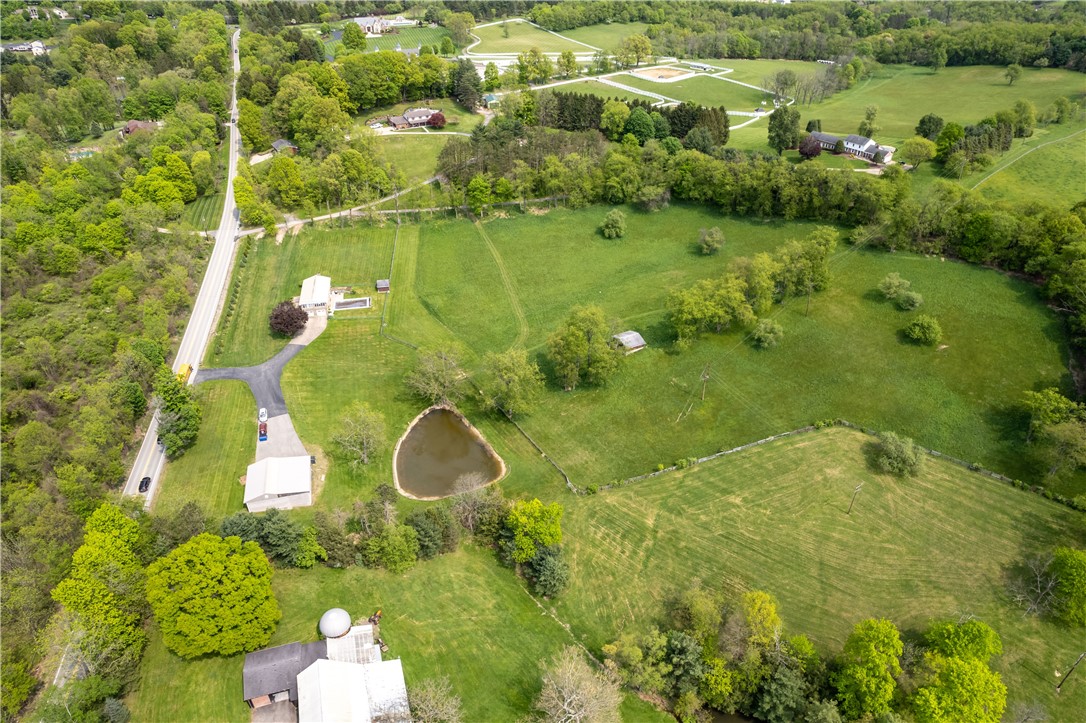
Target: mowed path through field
[510, 288]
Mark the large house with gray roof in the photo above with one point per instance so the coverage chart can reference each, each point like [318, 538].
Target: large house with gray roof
[859, 146]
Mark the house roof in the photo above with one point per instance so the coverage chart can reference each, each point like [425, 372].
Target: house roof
[278, 476]
[276, 669]
[862, 142]
[490, 97]
[825, 137]
[397, 120]
[418, 114]
[138, 125]
[282, 143]
[315, 290]
[382, 283]
[630, 339]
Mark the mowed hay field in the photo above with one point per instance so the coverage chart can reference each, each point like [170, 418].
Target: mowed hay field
[845, 359]
[593, 87]
[522, 36]
[353, 256]
[773, 518]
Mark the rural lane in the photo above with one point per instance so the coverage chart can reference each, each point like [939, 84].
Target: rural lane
[151, 456]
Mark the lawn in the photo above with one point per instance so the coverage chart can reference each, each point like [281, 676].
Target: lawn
[457, 117]
[459, 615]
[205, 212]
[408, 38]
[828, 160]
[354, 256]
[414, 155]
[773, 518]
[755, 72]
[522, 36]
[208, 473]
[607, 36]
[701, 89]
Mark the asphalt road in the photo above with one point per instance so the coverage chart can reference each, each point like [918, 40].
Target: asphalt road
[151, 457]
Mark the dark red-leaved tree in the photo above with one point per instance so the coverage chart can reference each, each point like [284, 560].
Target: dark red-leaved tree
[810, 147]
[288, 319]
[437, 120]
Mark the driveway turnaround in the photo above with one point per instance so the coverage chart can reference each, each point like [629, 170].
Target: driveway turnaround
[263, 380]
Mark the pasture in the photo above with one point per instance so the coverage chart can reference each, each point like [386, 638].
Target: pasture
[773, 518]
[521, 36]
[607, 36]
[701, 89]
[960, 400]
[594, 87]
[414, 155]
[1038, 168]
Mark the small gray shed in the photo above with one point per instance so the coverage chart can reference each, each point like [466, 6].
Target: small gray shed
[629, 341]
[383, 286]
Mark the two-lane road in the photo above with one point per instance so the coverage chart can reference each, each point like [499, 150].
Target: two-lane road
[151, 457]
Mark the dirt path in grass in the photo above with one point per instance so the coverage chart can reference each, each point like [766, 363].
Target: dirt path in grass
[1016, 160]
[510, 291]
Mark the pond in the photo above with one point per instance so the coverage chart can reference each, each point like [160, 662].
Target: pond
[440, 447]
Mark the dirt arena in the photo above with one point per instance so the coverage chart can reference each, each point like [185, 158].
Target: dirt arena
[661, 73]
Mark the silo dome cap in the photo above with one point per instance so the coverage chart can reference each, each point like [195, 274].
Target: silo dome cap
[335, 623]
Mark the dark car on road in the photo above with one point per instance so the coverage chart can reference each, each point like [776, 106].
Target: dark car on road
[145, 484]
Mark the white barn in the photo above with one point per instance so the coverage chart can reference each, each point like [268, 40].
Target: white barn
[279, 482]
[316, 296]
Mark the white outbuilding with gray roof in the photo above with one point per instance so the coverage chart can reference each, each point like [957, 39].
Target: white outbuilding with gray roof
[280, 482]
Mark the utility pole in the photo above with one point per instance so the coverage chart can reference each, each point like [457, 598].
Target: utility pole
[1068, 674]
[854, 493]
[704, 381]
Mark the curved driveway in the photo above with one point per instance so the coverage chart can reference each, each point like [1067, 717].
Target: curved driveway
[263, 380]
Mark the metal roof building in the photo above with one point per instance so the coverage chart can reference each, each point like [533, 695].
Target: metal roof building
[630, 341]
[280, 482]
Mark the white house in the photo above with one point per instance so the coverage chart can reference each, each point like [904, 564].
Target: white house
[37, 47]
[859, 146]
[61, 14]
[373, 25]
[316, 297]
[280, 482]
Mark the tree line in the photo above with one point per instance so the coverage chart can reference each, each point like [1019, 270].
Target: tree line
[732, 655]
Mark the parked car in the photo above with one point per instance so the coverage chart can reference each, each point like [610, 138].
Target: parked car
[145, 484]
[262, 416]
[262, 432]
[376, 126]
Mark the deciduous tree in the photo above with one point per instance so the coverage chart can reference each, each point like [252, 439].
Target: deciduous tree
[512, 384]
[784, 128]
[353, 37]
[869, 664]
[581, 350]
[287, 319]
[212, 596]
[899, 455]
[574, 692]
[916, 150]
[433, 701]
[533, 525]
[1012, 73]
[437, 376]
[361, 435]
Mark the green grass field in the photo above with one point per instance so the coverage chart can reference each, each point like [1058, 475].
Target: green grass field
[827, 159]
[522, 36]
[355, 256]
[962, 94]
[408, 38]
[205, 212]
[415, 155]
[959, 400]
[594, 87]
[701, 89]
[773, 518]
[756, 71]
[606, 36]
[208, 473]
[1040, 169]
[459, 615]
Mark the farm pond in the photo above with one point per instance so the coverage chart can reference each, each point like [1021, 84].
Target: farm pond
[439, 448]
